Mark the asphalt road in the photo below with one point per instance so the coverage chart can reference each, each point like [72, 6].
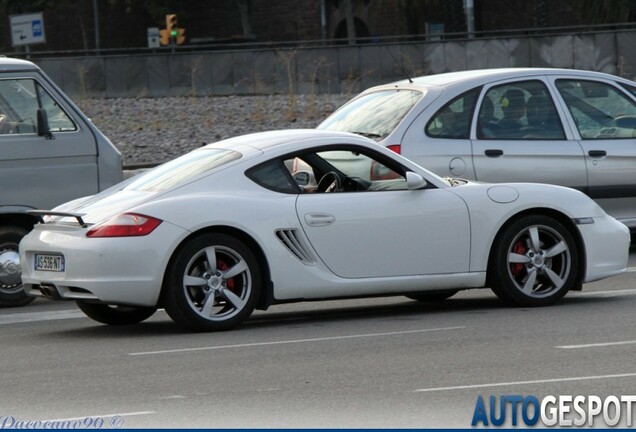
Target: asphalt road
[386, 362]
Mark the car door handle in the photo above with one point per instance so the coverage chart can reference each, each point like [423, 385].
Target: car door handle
[597, 153]
[493, 153]
[319, 219]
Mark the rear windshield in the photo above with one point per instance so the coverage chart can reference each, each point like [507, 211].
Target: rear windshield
[374, 115]
[182, 169]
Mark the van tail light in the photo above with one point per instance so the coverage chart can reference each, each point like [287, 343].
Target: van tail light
[395, 147]
[125, 225]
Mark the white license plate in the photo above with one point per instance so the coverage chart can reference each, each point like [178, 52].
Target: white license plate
[49, 263]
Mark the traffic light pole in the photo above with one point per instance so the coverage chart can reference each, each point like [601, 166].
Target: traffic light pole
[96, 18]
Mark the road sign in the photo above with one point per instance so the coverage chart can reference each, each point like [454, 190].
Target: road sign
[27, 29]
[153, 37]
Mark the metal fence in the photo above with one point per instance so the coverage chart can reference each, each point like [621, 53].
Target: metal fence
[334, 69]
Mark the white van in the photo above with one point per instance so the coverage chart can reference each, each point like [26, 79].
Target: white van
[50, 153]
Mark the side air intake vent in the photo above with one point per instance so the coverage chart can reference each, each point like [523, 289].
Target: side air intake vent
[294, 243]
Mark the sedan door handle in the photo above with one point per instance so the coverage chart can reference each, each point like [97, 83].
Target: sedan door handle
[597, 153]
[493, 153]
[319, 219]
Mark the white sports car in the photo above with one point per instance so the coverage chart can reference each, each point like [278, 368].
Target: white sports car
[235, 226]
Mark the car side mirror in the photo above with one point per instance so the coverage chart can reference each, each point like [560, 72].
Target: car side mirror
[415, 181]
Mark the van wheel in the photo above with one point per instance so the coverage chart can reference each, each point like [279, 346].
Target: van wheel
[11, 290]
[116, 315]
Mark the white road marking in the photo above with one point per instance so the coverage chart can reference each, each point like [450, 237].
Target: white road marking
[631, 269]
[502, 384]
[27, 317]
[294, 341]
[605, 293]
[594, 345]
[130, 414]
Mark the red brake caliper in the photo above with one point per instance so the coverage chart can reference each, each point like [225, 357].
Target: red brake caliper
[223, 266]
[520, 249]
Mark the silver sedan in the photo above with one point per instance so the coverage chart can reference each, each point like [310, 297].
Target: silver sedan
[566, 127]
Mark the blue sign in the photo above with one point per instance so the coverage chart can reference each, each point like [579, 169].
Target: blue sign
[36, 26]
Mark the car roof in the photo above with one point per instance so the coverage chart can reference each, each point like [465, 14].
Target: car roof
[479, 76]
[13, 64]
[265, 140]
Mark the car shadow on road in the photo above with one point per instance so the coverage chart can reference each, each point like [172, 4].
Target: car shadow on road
[161, 325]
[409, 310]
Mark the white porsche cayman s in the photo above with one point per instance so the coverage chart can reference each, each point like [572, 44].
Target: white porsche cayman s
[285, 216]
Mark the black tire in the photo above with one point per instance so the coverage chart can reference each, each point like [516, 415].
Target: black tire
[11, 290]
[535, 262]
[218, 268]
[116, 315]
[432, 297]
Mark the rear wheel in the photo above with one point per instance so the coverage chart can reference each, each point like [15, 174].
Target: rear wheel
[213, 284]
[432, 296]
[11, 290]
[116, 315]
[535, 262]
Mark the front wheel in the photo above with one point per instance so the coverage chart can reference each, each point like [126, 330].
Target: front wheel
[535, 262]
[213, 283]
[116, 315]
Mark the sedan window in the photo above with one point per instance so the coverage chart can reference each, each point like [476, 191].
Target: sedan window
[374, 115]
[519, 111]
[453, 119]
[600, 110]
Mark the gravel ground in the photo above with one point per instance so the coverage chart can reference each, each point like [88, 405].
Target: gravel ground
[157, 130]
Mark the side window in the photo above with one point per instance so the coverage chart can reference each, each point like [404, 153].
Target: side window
[20, 100]
[453, 119]
[600, 110]
[355, 172]
[519, 111]
[274, 175]
[59, 121]
[18, 107]
[336, 169]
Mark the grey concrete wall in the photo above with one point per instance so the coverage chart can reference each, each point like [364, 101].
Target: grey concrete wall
[341, 69]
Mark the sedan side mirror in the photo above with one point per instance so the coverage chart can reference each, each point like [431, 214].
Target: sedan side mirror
[415, 181]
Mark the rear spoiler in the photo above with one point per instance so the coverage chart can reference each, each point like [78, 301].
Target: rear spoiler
[41, 213]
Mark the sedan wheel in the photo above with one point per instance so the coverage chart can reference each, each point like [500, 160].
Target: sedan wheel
[116, 315]
[213, 284]
[535, 262]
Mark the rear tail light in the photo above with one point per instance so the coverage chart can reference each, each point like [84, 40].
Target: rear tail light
[125, 225]
[395, 147]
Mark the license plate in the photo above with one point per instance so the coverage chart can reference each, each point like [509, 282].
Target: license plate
[53, 263]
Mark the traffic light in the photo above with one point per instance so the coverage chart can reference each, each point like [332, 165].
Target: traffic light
[171, 26]
[172, 35]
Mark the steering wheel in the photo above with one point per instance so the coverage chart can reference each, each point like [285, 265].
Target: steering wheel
[329, 182]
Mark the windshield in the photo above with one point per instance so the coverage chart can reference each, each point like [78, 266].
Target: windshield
[182, 169]
[374, 115]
